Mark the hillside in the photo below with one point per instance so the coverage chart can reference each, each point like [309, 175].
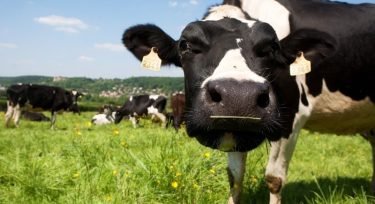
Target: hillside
[100, 91]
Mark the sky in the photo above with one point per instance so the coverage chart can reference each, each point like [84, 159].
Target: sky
[83, 37]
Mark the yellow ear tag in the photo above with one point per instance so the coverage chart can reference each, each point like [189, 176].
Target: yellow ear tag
[152, 60]
[300, 66]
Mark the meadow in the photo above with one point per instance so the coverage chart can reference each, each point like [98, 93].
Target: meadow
[82, 163]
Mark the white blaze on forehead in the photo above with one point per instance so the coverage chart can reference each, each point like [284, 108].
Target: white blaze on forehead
[233, 66]
[154, 97]
[269, 11]
[131, 98]
[226, 11]
[74, 93]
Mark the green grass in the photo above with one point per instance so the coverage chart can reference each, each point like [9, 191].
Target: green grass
[79, 163]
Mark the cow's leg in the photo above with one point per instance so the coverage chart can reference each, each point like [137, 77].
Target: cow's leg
[236, 171]
[162, 118]
[370, 136]
[8, 114]
[53, 119]
[17, 115]
[134, 121]
[277, 167]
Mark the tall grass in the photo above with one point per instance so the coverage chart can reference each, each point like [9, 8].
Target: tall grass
[83, 163]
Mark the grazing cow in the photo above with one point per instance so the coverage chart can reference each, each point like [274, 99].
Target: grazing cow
[106, 117]
[238, 85]
[178, 107]
[32, 116]
[142, 106]
[39, 97]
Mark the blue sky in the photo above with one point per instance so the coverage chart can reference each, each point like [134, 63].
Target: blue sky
[83, 37]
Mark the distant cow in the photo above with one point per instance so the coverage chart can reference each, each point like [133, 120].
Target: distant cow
[39, 97]
[106, 117]
[141, 106]
[32, 116]
[178, 106]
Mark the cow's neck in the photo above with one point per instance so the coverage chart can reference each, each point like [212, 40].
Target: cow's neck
[269, 11]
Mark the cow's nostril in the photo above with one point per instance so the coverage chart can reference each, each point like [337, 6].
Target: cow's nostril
[263, 100]
[214, 94]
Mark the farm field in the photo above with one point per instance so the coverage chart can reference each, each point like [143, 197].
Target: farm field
[83, 163]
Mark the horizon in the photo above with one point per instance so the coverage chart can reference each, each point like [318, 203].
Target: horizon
[71, 39]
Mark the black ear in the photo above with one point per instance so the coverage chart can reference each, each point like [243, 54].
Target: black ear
[141, 38]
[315, 45]
[233, 3]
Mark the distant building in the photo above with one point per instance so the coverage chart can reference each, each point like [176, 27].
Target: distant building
[59, 78]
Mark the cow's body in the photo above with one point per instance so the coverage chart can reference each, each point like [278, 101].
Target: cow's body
[142, 106]
[106, 116]
[32, 116]
[178, 108]
[247, 74]
[39, 98]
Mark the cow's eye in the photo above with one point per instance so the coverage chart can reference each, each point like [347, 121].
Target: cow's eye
[184, 46]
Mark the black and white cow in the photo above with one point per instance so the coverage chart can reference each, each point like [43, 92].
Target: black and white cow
[235, 66]
[142, 106]
[33, 116]
[107, 116]
[39, 98]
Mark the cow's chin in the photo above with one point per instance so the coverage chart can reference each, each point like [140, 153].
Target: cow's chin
[230, 141]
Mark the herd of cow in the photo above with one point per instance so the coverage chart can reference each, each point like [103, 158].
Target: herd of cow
[24, 99]
[259, 70]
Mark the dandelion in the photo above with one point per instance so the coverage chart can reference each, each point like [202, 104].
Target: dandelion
[108, 197]
[78, 133]
[114, 172]
[116, 132]
[174, 184]
[212, 171]
[76, 175]
[196, 186]
[178, 174]
[207, 155]
[89, 124]
[123, 143]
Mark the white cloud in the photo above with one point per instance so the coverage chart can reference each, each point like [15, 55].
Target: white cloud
[67, 29]
[110, 46]
[194, 2]
[83, 58]
[8, 45]
[63, 24]
[173, 3]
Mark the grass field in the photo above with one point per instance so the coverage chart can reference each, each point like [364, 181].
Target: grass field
[82, 163]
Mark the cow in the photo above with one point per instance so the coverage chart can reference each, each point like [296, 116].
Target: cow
[238, 85]
[107, 116]
[178, 107]
[32, 116]
[142, 106]
[39, 98]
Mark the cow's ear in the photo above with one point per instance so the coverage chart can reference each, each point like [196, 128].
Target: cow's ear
[141, 38]
[315, 45]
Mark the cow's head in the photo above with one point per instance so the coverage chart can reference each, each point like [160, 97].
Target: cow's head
[232, 67]
[74, 96]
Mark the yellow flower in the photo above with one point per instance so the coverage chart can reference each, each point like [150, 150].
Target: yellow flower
[174, 184]
[178, 174]
[108, 197]
[89, 124]
[195, 185]
[123, 143]
[114, 172]
[116, 132]
[76, 175]
[207, 155]
[212, 171]
[78, 133]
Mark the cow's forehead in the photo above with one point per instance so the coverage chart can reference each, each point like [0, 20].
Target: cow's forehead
[74, 92]
[220, 12]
